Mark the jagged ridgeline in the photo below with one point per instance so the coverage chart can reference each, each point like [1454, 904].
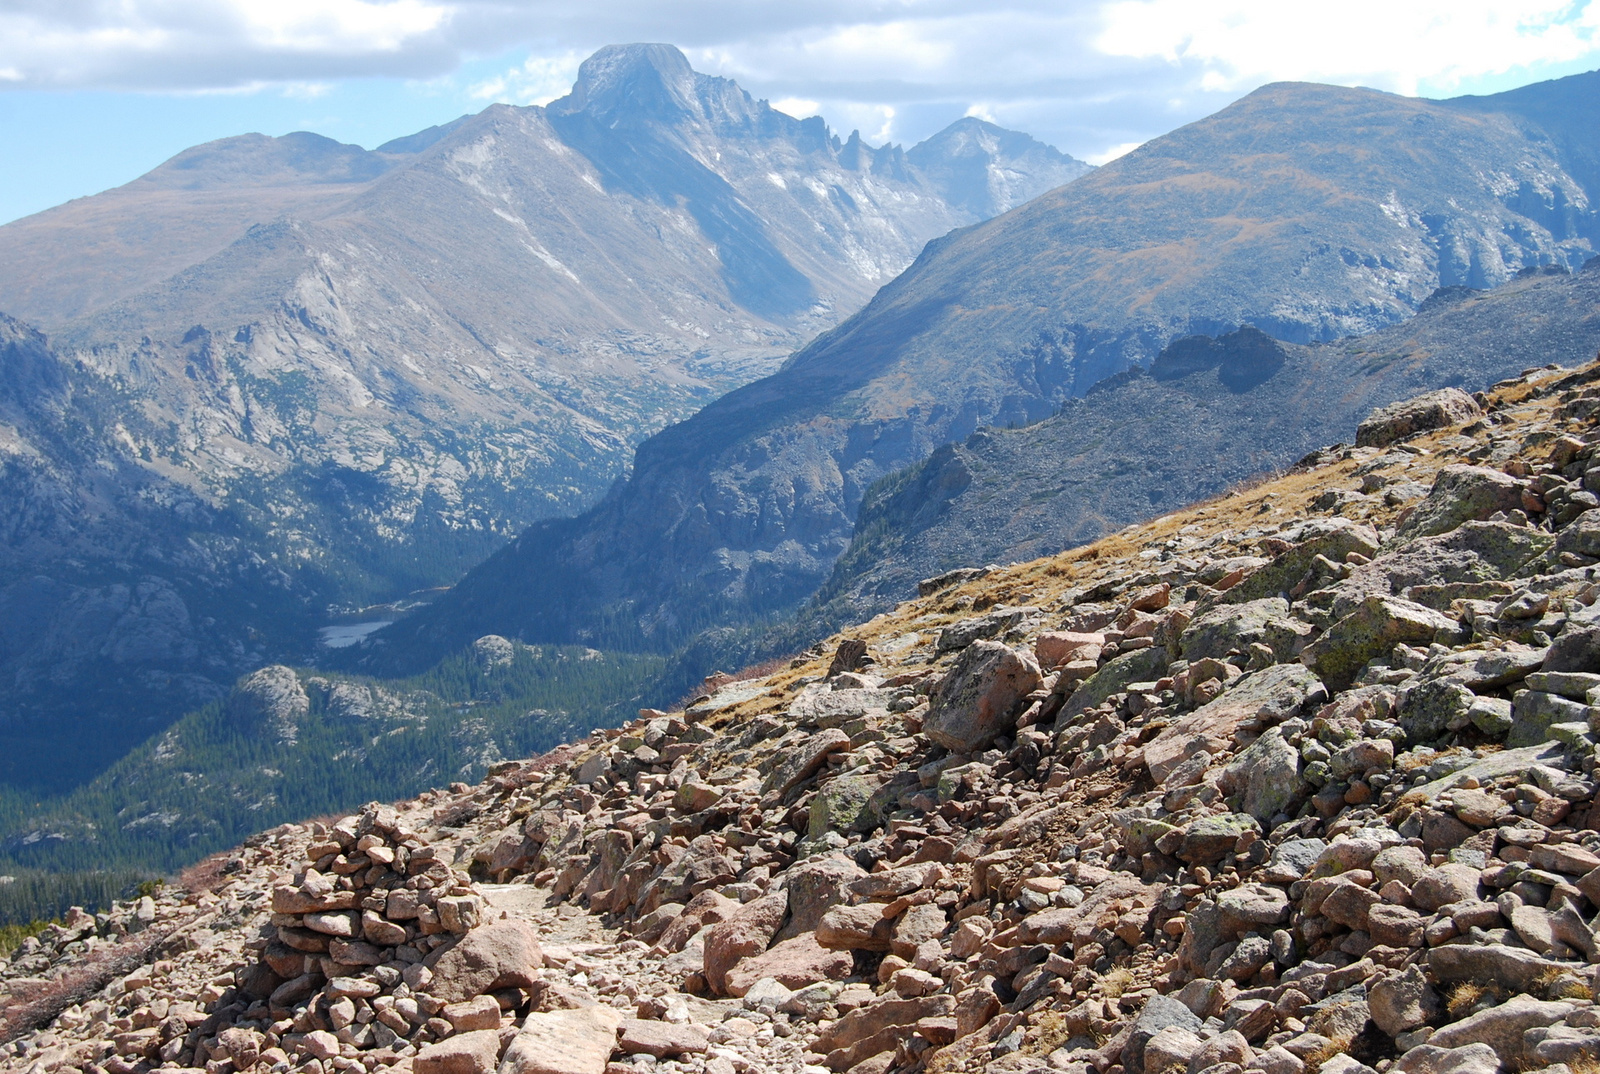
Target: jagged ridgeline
[1300, 780]
[292, 743]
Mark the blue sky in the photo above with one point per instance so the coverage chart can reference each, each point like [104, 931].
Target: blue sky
[96, 92]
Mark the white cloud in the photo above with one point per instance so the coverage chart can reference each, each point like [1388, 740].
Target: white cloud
[307, 91]
[1106, 156]
[214, 44]
[981, 111]
[538, 80]
[1405, 47]
[1082, 74]
[798, 107]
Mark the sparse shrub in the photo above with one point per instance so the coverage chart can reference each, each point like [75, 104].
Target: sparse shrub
[1116, 981]
[1463, 997]
[1339, 1045]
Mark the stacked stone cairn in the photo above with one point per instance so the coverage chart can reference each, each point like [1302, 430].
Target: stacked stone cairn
[376, 948]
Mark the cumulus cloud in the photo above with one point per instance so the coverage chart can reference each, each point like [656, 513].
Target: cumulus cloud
[537, 80]
[1094, 76]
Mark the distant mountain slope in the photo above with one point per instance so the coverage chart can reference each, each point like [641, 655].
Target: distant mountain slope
[1311, 212]
[287, 378]
[1206, 415]
[283, 744]
[476, 323]
[987, 170]
[124, 595]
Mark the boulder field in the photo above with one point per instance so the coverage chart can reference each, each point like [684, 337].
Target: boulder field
[1297, 781]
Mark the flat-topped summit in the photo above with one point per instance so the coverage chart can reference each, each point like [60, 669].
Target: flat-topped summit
[629, 83]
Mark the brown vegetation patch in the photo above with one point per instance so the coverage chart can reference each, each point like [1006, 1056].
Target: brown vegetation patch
[77, 983]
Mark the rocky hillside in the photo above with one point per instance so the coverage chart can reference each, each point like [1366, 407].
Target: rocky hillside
[1296, 781]
[121, 589]
[1310, 212]
[1210, 413]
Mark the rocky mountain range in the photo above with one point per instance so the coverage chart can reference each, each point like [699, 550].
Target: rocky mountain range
[1308, 212]
[479, 321]
[323, 377]
[1285, 783]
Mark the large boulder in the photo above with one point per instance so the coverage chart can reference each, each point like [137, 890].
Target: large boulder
[981, 697]
[1398, 421]
[500, 954]
[1501, 1027]
[1235, 627]
[814, 887]
[844, 804]
[576, 1041]
[1160, 1012]
[1474, 552]
[855, 928]
[1373, 629]
[1575, 649]
[1331, 538]
[1462, 494]
[1534, 712]
[796, 765]
[793, 963]
[1403, 1001]
[1467, 1059]
[1430, 709]
[1264, 697]
[746, 932]
[1514, 969]
[476, 1052]
[1116, 675]
[1581, 536]
[1266, 775]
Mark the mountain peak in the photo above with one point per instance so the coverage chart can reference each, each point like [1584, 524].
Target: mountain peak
[640, 80]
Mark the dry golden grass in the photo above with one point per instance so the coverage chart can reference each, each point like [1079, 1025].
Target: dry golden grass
[1050, 1033]
[1463, 997]
[1116, 981]
[1335, 1046]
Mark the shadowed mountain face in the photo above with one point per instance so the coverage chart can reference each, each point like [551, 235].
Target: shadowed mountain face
[123, 593]
[1310, 212]
[355, 373]
[1209, 413]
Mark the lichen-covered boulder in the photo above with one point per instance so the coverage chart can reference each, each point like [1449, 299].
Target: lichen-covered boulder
[1373, 629]
[1462, 494]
